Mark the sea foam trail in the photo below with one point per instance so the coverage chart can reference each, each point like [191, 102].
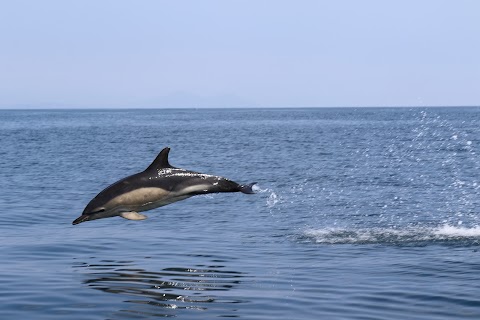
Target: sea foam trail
[390, 235]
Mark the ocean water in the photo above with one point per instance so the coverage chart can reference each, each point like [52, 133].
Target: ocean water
[368, 213]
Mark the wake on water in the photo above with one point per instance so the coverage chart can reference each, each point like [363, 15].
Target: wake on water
[414, 235]
[420, 235]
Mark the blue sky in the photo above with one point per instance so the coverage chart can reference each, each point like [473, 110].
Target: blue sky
[230, 53]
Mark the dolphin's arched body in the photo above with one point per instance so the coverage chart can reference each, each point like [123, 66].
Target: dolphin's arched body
[160, 184]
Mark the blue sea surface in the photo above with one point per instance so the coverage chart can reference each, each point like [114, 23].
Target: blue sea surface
[368, 213]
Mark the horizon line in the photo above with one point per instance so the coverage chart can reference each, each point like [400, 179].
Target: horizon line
[231, 108]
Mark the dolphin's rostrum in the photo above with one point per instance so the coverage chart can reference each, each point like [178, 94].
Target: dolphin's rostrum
[160, 184]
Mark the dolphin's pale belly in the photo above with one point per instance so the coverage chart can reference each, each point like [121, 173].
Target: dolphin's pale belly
[141, 199]
[144, 199]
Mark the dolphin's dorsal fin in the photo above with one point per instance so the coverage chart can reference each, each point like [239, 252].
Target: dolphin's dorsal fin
[161, 161]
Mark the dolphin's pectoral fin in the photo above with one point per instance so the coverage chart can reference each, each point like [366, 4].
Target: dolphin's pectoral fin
[132, 215]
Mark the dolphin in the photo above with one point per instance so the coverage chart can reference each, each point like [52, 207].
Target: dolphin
[160, 184]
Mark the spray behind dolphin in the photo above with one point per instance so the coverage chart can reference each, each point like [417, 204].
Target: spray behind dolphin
[160, 184]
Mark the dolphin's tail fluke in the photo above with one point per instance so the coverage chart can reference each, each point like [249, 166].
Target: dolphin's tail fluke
[82, 218]
[247, 188]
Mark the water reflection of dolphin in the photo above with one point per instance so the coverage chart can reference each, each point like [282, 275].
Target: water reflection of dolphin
[165, 291]
[160, 184]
